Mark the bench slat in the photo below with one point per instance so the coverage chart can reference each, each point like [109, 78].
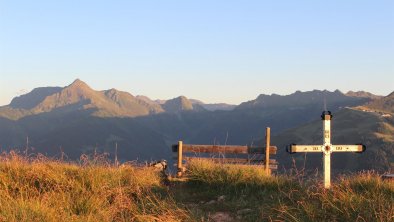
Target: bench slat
[190, 148]
[231, 160]
[224, 160]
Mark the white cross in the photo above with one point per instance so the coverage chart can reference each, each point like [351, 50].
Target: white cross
[327, 148]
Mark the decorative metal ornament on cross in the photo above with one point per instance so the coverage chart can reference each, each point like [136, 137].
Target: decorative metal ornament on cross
[327, 148]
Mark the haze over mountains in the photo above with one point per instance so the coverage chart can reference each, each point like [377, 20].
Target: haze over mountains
[78, 119]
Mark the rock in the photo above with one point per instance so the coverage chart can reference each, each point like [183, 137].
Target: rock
[161, 164]
[221, 198]
[211, 202]
[221, 217]
[244, 211]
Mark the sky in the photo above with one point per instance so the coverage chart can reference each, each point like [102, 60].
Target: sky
[212, 50]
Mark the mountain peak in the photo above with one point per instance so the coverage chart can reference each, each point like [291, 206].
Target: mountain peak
[78, 84]
[178, 104]
[77, 80]
[182, 98]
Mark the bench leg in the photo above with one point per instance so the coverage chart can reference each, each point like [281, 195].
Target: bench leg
[180, 168]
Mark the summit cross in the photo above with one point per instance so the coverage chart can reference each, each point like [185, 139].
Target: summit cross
[327, 148]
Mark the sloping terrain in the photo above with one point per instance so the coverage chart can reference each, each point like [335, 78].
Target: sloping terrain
[32, 99]
[385, 104]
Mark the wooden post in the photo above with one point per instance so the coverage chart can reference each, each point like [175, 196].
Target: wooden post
[267, 150]
[116, 154]
[180, 168]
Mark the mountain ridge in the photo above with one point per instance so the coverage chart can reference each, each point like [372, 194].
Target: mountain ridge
[299, 100]
[79, 119]
[363, 94]
[32, 99]
[78, 96]
[384, 104]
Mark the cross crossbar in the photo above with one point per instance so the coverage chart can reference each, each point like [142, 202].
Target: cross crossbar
[294, 148]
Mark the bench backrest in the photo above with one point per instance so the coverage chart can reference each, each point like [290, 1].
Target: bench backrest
[252, 154]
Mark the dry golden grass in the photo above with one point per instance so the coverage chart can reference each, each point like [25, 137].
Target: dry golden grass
[359, 197]
[41, 189]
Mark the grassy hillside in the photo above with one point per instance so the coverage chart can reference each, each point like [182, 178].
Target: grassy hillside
[38, 189]
[45, 190]
[246, 194]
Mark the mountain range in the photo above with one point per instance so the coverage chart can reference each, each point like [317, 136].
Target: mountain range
[77, 119]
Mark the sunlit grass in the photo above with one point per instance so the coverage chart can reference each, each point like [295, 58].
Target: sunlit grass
[359, 197]
[42, 189]
[47, 190]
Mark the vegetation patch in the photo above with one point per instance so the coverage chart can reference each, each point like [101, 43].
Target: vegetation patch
[41, 189]
[245, 193]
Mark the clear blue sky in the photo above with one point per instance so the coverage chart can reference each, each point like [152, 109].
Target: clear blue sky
[216, 51]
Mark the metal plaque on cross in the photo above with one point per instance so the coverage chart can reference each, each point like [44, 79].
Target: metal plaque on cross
[326, 148]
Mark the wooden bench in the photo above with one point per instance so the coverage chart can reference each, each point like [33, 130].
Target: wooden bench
[254, 155]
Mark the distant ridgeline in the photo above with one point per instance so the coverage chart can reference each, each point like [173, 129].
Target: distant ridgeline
[77, 119]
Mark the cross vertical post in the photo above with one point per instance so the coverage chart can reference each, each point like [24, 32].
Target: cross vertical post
[326, 117]
[327, 148]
